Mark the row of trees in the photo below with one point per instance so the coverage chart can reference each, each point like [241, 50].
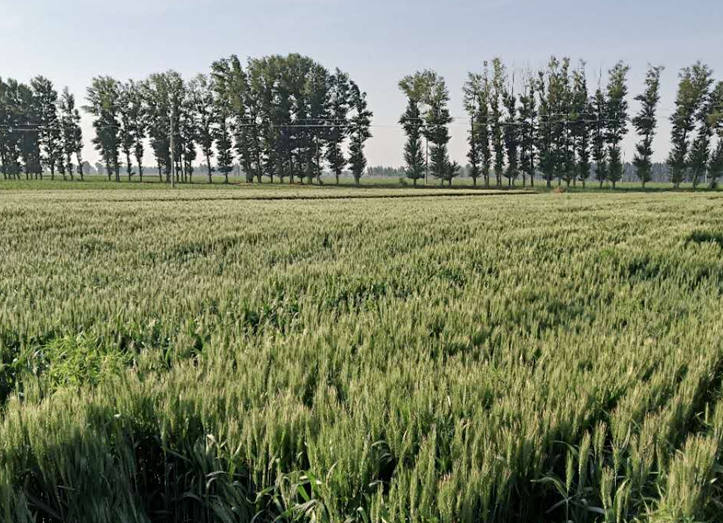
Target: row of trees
[39, 130]
[279, 117]
[288, 117]
[555, 126]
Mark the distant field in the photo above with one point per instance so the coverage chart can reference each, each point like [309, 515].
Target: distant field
[367, 182]
[220, 354]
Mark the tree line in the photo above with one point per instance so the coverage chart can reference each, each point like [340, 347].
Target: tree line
[550, 124]
[39, 129]
[281, 117]
[288, 117]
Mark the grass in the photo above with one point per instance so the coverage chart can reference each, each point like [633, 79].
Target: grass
[367, 182]
[538, 357]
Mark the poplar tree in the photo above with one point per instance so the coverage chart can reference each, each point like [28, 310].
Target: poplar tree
[437, 120]
[617, 116]
[715, 166]
[580, 124]
[360, 131]
[201, 96]
[599, 152]
[72, 134]
[224, 112]
[473, 98]
[690, 96]
[158, 112]
[645, 124]
[413, 124]
[29, 116]
[125, 133]
[339, 105]
[11, 141]
[511, 134]
[700, 148]
[483, 127]
[528, 135]
[495, 100]
[50, 133]
[103, 98]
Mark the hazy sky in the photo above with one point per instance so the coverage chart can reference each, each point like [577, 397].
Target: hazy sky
[376, 41]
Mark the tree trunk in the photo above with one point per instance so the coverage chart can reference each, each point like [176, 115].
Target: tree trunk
[337, 178]
[129, 166]
[414, 182]
[474, 182]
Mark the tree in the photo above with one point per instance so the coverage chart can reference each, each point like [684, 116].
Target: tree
[201, 96]
[528, 122]
[50, 139]
[483, 128]
[617, 116]
[473, 98]
[412, 123]
[156, 97]
[223, 111]
[316, 90]
[495, 99]
[645, 124]
[435, 96]
[360, 131]
[511, 133]
[715, 166]
[29, 116]
[72, 134]
[126, 132]
[554, 142]
[339, 99]
[599, 153]
[11, 137]
[103, 99]
[689, 98]
[134, 116]
[188, 134]
[700, 148]
[452, 170]
[580, 123]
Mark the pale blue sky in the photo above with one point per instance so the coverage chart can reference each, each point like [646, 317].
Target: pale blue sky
[376, 41]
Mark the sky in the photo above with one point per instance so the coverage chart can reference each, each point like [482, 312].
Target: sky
[376, 41]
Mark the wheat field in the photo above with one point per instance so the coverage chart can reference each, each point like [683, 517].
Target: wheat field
[447, 357]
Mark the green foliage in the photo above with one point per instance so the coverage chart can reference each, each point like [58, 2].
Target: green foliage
[645, 123]
[690, 99]
[617, 117]
[103, 103]
[80, 360]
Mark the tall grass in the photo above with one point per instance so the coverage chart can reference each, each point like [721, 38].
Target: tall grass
[516, 358]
